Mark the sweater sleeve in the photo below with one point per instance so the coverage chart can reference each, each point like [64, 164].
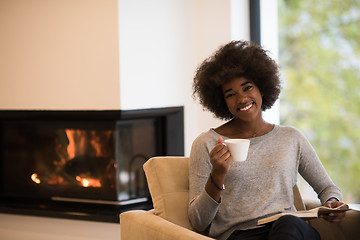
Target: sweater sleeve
[313, 171]
[202, 208]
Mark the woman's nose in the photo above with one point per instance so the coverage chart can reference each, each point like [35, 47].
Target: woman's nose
[242, 98]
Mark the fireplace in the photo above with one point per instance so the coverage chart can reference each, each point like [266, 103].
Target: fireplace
[83, 164]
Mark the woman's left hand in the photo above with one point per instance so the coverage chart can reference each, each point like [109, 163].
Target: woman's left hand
[335, 217]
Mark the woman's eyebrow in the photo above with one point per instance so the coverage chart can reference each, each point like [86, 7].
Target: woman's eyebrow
[248, 82]
[228, 90]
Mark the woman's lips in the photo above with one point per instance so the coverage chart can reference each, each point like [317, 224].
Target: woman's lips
[246, 107]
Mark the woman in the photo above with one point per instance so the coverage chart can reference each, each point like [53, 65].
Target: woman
[237, 83]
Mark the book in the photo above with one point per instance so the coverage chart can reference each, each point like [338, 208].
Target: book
[305, 214]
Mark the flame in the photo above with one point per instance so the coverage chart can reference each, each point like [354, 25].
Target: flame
[81, 142]
[77, 142]
[84, 143]
[88, 182]
[35, 178]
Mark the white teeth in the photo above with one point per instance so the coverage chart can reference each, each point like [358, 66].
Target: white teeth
[246, 108]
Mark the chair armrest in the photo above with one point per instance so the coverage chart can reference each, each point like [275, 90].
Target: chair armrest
[145, 225]
[311, 203]
[347, 229]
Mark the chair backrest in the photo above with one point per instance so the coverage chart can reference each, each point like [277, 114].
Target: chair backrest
[298, 201]
[168, 181]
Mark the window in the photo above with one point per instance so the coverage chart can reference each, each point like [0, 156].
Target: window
[319, 56]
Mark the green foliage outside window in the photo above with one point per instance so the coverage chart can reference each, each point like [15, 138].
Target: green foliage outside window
[320, 65]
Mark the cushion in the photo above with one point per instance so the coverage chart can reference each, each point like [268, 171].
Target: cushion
[168, 181]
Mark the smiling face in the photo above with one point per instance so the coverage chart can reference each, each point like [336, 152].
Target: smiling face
[243, 99]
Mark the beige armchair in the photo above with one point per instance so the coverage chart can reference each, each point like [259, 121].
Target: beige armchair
[168, 181]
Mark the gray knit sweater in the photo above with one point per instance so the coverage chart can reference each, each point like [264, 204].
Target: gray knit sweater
[260, 186]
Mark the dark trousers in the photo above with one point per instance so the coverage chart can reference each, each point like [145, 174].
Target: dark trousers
[285, 228]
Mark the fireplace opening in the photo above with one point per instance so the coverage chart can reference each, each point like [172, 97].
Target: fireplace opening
[83, 164]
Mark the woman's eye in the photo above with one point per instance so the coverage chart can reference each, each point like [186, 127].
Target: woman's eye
[229, 95]
[248, 88]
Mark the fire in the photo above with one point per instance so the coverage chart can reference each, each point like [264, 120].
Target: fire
[35, 178]
[83, 149]
[83, 142]
[77, 142]
[88, 182]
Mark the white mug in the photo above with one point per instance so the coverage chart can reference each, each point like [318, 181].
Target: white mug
[238, 148]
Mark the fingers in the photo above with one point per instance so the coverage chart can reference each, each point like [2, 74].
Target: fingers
[220, 157]
[220, 151]
[219, 145]
[336, 216]
[337, 204]
[328, 204]
[340, 205]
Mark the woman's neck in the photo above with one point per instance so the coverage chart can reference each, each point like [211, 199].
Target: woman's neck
[236, 128]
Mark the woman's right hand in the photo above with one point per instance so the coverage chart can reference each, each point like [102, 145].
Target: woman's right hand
[220, 158]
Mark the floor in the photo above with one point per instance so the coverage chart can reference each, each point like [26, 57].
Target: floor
[19, 227]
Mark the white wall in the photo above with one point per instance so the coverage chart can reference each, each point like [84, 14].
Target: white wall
[153, 49]
[59, 54]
